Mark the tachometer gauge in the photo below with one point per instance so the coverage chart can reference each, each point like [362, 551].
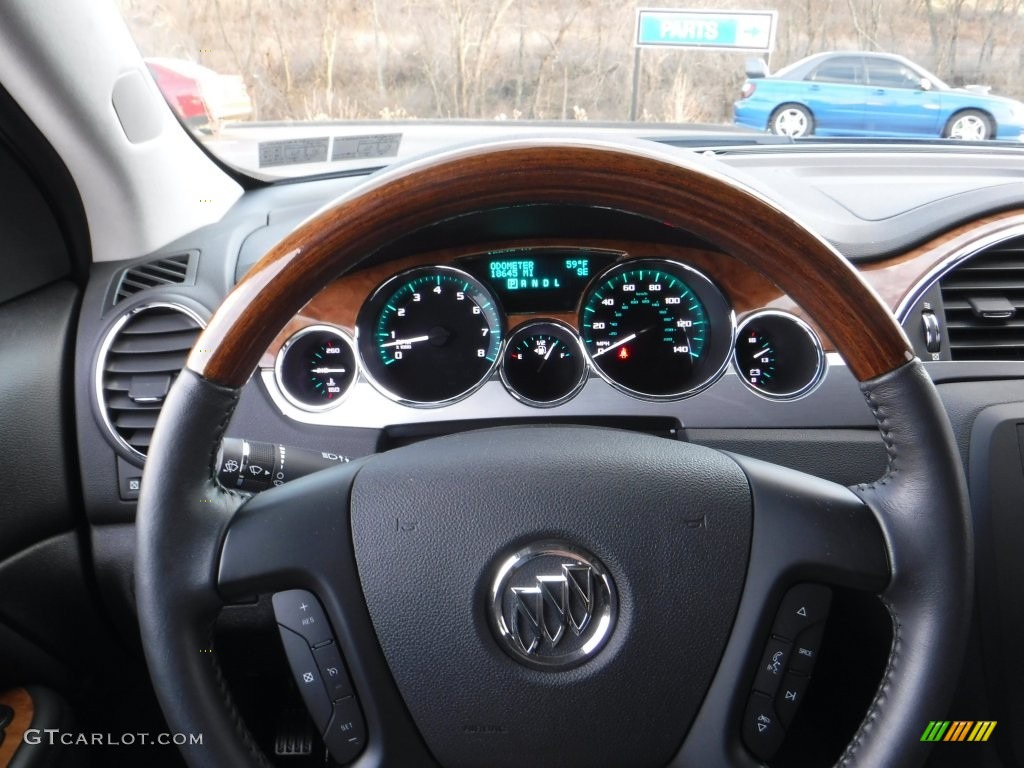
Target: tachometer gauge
[657, 329]
[429, 336]
[778, 356]
[543, 363]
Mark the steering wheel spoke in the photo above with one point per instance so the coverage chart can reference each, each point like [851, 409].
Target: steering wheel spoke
[811, 530]
[807, 531]
[288, 537]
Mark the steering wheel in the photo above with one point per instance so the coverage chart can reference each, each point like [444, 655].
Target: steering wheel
[411, 552]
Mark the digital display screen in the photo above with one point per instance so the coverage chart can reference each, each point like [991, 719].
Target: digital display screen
[539, 280]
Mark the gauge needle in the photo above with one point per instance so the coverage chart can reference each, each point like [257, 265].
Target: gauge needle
[763, 352]
[328, 370]
[550, 350]
[618, 343]
[399, 342]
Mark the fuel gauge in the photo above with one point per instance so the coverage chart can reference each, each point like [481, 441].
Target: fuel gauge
[778, 355]
[543, 363]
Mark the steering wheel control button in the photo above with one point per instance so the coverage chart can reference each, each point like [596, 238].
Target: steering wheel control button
[762, 731]
[307, 677]
[790, 697]
[300, 612]
[553, 605]
[805, 649]
[332, 669]
[773, 666]
[345, 737]
[803, 605]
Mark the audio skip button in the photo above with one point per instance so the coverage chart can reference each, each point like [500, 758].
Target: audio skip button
[790, 696]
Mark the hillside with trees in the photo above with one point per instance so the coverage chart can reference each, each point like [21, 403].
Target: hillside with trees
[543, 59]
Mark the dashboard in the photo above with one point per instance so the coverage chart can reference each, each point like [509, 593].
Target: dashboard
[494, 292]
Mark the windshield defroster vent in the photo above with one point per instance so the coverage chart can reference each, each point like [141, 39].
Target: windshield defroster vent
[983, 299]
[140, 358]
[169, 270]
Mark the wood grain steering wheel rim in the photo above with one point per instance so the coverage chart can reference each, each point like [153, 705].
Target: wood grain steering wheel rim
[919, 516]
[672, 188]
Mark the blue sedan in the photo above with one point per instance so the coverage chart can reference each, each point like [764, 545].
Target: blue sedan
[872, 94]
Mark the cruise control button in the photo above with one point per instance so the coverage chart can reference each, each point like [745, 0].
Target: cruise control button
[328, 659]
[345, 737]
[805, 649]
[762, 731]
[773, 666]
[307, 677]
[790, 697]
[300, 611]
[803, 605]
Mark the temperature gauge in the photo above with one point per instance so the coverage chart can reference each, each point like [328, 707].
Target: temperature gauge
[543, 364]
[778, 355]
[316, 368]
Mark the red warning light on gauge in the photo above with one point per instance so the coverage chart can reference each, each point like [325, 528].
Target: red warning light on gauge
[623, 353]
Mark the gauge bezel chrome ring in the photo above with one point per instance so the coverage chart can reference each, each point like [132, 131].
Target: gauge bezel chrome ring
[384, 287]
[822, 365]
[540, 323]
[283, 352]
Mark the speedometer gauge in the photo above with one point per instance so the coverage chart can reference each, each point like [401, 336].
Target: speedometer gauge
[657, 329]
[429, 336]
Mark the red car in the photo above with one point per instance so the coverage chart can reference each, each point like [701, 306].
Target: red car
[198, 95]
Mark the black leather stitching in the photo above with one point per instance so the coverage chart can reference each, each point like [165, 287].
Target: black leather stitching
[235, 716]
[222, 427]
[891, 470]
[225, 694]
[850, 755]
[882, 420]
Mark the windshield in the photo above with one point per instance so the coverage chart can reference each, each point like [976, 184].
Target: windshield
[292, 87]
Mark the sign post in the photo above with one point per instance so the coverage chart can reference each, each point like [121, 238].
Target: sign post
[743, 31]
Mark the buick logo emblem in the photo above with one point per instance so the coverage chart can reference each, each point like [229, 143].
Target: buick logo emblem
[552, 605]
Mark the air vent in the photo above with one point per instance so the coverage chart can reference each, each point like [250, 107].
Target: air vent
[140, 358]
[170, 270]
[983, 299]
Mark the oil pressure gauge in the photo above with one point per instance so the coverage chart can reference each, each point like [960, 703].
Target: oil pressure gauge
[778, 356]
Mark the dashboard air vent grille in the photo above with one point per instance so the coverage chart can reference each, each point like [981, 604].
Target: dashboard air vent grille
[140, 358]
[983, 299]
[170, 270]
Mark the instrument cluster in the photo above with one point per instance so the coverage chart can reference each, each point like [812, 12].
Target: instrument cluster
[653, 328]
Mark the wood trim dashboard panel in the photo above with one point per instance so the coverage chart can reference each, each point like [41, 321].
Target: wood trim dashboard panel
[747, 289]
